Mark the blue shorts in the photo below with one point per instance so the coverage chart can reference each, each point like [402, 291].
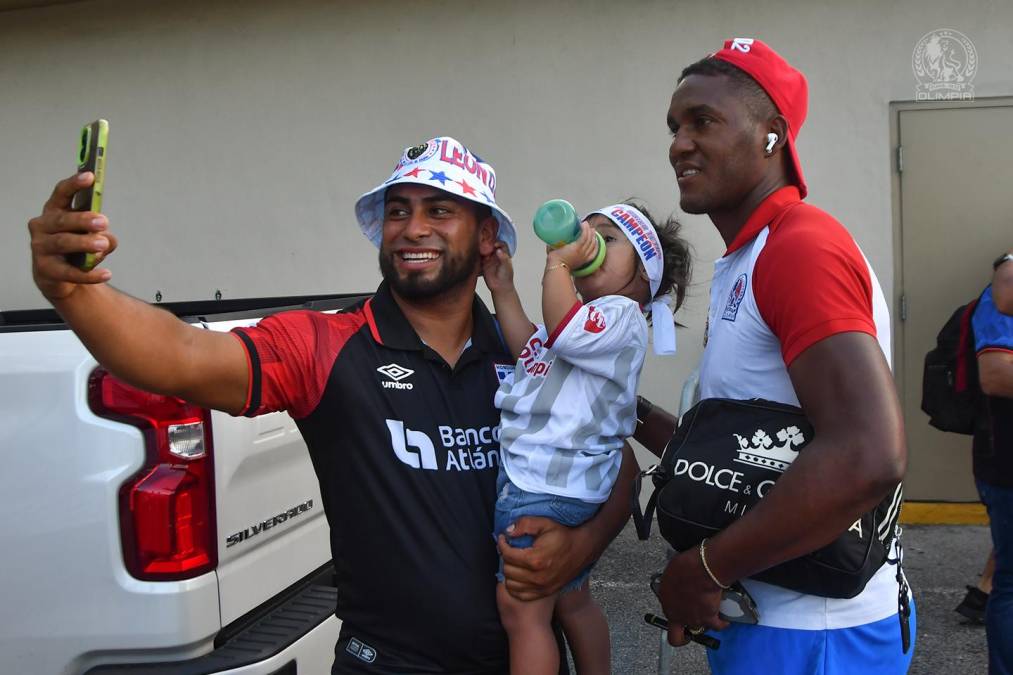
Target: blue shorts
[869, 649]
[513, 502]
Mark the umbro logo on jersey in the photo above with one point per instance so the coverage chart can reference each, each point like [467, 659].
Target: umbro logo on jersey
[595, 320]
[361, 650]
[395, 374]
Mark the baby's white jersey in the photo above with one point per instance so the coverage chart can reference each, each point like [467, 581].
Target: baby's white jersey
[572, 401]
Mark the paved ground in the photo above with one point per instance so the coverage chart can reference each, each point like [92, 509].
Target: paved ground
[940, 560]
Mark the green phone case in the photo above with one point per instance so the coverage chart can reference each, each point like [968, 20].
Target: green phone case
[91, 156]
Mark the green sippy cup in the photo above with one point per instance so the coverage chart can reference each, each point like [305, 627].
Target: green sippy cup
[556, 224]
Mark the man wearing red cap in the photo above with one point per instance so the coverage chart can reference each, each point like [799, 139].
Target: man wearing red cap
[796, 316]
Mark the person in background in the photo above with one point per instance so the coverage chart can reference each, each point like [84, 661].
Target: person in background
[993, 453]
[973, 605]
[1002, 283]
[570, 403]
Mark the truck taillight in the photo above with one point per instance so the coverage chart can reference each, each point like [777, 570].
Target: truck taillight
[167, 522]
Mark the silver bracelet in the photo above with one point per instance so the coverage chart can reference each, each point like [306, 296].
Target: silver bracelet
[706, 567]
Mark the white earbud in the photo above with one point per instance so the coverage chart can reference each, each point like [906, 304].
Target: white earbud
[771, 140]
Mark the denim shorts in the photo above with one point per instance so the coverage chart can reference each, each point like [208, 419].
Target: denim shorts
[513, 502]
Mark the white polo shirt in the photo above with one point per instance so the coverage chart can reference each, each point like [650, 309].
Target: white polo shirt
[792, 277]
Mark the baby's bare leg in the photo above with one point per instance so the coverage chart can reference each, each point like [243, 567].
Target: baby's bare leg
[528, 623]
[586, 630]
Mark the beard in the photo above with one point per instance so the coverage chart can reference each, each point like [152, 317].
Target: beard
[695, 205]
[455, 270]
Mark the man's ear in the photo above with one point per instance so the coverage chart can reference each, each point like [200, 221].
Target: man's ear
[488, 230]
[777, 125]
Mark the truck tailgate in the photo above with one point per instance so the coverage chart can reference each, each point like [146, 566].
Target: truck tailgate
[271, 524]
[67, 597]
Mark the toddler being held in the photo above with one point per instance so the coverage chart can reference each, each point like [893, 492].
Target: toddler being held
[571, 403]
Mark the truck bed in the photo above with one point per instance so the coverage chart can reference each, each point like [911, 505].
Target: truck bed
[70, 603]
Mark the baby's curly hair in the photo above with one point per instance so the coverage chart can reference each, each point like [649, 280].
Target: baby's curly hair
[676, 252]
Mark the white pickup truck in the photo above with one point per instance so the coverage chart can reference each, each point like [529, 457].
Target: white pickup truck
[146, 535]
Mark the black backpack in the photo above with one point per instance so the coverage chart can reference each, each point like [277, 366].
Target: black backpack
[951, 394]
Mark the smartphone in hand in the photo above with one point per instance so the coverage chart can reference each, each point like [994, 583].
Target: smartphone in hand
[738, 606]
[91, 156]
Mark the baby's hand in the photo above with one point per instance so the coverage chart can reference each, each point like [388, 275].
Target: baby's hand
[498, 270]
[579, 252]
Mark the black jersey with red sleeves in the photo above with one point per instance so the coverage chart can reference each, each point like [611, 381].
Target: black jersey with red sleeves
[406, 450]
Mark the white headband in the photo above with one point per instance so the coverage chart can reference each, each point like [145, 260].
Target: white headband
[642, 235]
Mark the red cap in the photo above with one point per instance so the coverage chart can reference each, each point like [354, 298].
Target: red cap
[785, 86]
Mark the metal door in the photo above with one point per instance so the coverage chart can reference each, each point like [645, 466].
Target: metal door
[956, 201]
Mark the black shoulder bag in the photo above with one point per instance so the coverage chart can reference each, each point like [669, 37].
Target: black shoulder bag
[723, 458]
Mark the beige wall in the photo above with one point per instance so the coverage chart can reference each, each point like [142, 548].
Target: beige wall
[242, 132]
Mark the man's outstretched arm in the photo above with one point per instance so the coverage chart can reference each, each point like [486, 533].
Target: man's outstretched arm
[141, 344]
[559, 552]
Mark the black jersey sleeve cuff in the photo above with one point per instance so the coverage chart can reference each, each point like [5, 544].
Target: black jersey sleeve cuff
[253, 404]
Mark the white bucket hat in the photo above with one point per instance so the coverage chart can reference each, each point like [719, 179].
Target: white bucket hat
[443, 163]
